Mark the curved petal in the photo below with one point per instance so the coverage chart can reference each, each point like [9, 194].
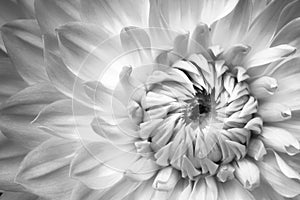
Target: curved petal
[113, 15]
[22, 39]
[45, 170]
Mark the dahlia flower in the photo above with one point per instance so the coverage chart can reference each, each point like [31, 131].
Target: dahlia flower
[150, 99]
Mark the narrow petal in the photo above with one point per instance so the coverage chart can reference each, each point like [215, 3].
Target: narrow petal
[45, 170]
[289, 13]
[27, 6]
[22, 39]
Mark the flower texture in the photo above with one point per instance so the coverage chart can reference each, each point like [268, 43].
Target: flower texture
[150, 99]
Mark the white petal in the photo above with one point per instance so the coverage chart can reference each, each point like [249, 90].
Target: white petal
[247, 173]
[274, 112]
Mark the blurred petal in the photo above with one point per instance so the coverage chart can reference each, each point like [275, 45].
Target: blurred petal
[11, 155]
[27, 6]
[19, 110]
[18, 196]
[10, 80]
[22, 39]
[87, 50]
[45, 170]
[113, 15]
[51, 14]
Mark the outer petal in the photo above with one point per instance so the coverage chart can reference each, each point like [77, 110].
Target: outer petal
[264, 26]
[44, 171]
[66, 119]
[282, 184]
[283, 142]
[51, 14]
[234, 26]
[86, 50]
[11, 155]
[18, 196]
[22, 39]
[10, 80]
[234, 191]
[113, 15]
[180, 14]
[19, 110]
[101, 165]
[9, 11]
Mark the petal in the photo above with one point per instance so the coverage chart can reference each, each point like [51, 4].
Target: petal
[18, 196]
[266, 192]
[113, 15]
[234, 191]
[87, 50]
[27, 6]
[283, 142]
[205, 189]
[59, 74]
[101, 165]
[289, 13]
[9, 11]
[269, 55]
[45, 170]
[264, 26]
[11, 155]
[184, 15]
[10, 80]
[20, 109]
[280, 183]
[274, 112]
[263, 86]
[289, 34]
[234, 26]
[58, 13]
[66, 119]
[22, 39]
[247, 173]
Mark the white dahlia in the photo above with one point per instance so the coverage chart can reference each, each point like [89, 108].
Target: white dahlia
[150, 100]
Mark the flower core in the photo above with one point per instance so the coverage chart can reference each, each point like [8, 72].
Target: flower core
[198, 116]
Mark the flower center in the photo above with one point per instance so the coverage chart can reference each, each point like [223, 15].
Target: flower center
[198, 117]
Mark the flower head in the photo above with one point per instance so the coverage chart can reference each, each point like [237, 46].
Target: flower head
[150, 99]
